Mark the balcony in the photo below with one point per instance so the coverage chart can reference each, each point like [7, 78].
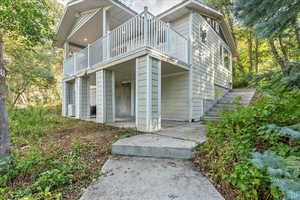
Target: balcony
[143, 30]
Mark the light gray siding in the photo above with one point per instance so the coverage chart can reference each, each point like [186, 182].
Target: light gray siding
[175, 101]
[155, 102]
[148, 95]
[64, 99]
[81, 98]
[207, 66]
[109, 84]
[100, 96]
[181, 25]
[141, 90]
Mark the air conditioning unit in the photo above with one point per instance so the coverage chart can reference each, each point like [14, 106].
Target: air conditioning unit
[71, 110]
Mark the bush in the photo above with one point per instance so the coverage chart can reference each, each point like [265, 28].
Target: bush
[227, 153]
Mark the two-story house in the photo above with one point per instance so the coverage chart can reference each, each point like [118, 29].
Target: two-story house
[122, 65]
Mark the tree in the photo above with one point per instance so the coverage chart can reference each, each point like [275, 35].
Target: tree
[28, 22]
[268, 18]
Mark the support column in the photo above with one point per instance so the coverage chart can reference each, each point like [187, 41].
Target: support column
[82, 98]
[148, 94]
[64, 99]
[66, 50]
[100, 100]
[132, 88]
[105, 96]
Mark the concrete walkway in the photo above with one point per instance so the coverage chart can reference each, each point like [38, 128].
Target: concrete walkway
[160, 175]
[133, 178]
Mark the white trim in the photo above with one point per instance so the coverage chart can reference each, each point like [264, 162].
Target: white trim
[136, 92]
[113, 95]
[173, 74]
[104, 21]
[124, 7]
[66, 50]
[132, 86]
[190, 98]
[104, 96]
[159, 94]
[149, 93]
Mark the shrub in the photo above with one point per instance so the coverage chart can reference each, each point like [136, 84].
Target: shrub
[227, 153]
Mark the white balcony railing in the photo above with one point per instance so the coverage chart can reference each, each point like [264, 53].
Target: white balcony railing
[143, 30]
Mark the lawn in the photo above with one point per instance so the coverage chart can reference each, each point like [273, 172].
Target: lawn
[54, 157]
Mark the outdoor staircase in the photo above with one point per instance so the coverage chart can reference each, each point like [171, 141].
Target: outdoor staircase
[233, 99]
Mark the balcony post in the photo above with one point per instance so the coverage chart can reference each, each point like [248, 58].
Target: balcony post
[146, 27]
[108, 45]
[74, 64]
[168, 38]
[66, 50]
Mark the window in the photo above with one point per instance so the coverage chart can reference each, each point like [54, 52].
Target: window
[221, 53]
[226, 58]
[203, 34]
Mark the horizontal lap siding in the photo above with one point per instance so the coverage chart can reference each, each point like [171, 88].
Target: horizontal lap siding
[100, 96]
[109, 96]
[141, 84]
[155, 94]
[175, 89]
[181, 25]
[207, 70]
[175, 93]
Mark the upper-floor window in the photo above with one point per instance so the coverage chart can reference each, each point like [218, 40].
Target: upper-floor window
[226, 58]
[203, 34]
[213, 23]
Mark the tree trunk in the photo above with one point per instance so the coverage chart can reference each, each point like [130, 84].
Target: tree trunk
[250, 52]
[297, 36]
[276, 55]
[283, 49]
[256, 55]
[4, 137]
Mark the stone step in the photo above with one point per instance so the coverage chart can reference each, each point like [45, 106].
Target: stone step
[150, 145]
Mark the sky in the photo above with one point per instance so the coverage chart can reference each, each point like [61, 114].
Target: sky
[155, 6]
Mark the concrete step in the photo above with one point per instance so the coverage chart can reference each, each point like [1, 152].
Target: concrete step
[224, 105]
[245, 97]
[150, 145]
[212, 118]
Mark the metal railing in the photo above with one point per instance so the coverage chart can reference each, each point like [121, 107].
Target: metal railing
[143, 30]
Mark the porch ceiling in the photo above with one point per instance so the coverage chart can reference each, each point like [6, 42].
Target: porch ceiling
[92, 30]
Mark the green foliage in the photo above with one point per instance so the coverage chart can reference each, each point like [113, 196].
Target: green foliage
[26, 20]
[48, 172]
[231, 141]
[289, 79]
[284, 172]
[33, 72]
[268, 18]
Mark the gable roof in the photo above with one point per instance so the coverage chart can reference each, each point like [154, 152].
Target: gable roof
[185, 6]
